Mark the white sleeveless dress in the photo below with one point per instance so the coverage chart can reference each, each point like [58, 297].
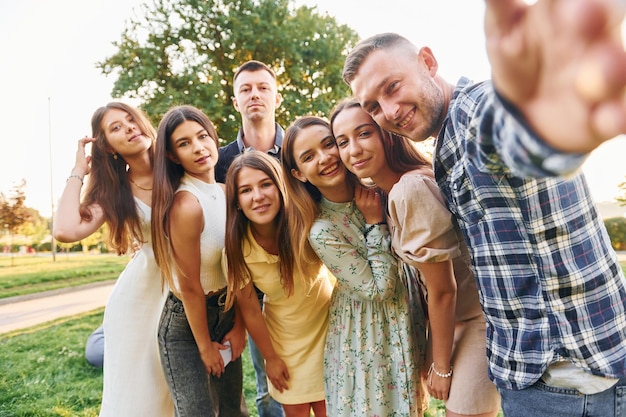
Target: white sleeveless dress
[134, 383]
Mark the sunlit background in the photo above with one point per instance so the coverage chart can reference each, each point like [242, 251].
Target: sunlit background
[49, 85]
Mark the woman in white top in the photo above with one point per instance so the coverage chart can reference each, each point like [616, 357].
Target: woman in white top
[119, 193]
[188, 234]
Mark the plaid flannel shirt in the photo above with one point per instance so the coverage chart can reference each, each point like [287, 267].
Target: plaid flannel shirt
[550, 283]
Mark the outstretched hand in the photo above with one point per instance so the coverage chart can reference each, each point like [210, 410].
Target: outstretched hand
[561, 63]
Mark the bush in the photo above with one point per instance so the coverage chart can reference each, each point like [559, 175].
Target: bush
[616, 227]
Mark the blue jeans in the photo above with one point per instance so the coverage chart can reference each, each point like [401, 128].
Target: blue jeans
[543, 400]
[195, 392]
[265, 404]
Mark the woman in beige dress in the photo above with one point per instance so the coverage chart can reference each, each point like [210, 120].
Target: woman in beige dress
[425, 237]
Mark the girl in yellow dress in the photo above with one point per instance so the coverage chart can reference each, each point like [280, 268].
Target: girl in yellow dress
[291, 330]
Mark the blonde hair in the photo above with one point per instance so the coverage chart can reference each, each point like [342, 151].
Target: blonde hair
[304, 197]
[237, 224]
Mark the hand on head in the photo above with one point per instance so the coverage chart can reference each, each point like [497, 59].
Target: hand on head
[83, 161]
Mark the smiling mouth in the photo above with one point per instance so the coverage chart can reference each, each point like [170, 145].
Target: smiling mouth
[359, 164]
[137, 136]
[404, 122]
[204, 158]
[330, 169]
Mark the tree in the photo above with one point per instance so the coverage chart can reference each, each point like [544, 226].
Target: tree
[13, 212]
[35, 230]
[186, 52]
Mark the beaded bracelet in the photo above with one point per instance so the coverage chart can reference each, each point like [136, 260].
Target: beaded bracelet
[371, 227]
[440, 375]
[78, 177]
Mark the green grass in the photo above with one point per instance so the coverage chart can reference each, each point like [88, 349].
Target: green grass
[31, 274]
[43, 372]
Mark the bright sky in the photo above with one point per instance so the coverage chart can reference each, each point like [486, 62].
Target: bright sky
[49, 85]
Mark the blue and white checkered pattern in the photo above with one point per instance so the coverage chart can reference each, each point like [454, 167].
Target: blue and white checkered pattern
[550, 283]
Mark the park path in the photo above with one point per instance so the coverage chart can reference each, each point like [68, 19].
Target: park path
[25, 311]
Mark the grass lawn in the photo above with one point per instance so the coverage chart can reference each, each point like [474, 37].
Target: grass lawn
[20, 275]
[43, 372]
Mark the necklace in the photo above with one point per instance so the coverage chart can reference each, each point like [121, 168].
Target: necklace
[139, 186]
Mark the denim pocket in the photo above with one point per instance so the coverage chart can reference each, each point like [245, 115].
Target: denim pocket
[220, 321]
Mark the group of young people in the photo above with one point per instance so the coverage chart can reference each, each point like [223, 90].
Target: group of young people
[367, 276]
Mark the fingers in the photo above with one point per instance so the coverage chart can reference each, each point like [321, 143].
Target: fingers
[601, 76]
[366, 195]
[501, 15]
[609, 119]
[438, 391]
[216, 368]
[591, 19]
[82, 142]
[280, 382]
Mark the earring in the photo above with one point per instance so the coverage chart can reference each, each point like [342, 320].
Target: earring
[115, 156]
[238, 208]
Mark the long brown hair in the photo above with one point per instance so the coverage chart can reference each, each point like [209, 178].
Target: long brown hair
[108, 184]
[237, 224]
[167, 178]
[401, 155]
[304, 197]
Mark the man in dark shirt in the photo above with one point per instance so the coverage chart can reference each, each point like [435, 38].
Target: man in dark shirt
[256, 98]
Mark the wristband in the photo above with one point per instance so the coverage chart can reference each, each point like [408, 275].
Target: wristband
[78, 177]
[371, 227]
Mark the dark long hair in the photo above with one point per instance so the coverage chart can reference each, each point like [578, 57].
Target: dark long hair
[108, 184]
[167, 177]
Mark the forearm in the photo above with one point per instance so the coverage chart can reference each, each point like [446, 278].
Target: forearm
[195, 310]
[256, 327]
[441, 314]
[68, 224]
[442, 293]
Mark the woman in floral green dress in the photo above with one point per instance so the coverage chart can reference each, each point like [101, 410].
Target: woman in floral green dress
[371, 360]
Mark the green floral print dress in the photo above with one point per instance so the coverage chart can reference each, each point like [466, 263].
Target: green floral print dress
[371, 355]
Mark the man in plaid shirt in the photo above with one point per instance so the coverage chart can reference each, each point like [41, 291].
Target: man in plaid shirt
[507, 161]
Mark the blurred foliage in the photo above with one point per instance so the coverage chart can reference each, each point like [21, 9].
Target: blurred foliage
[13, 212]
[621, 199]
[186, 52]
[616, 227]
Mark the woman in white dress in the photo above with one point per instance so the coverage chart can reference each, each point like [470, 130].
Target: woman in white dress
[119, 193]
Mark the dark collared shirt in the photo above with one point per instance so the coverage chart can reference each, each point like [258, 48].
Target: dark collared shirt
[229, 152]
